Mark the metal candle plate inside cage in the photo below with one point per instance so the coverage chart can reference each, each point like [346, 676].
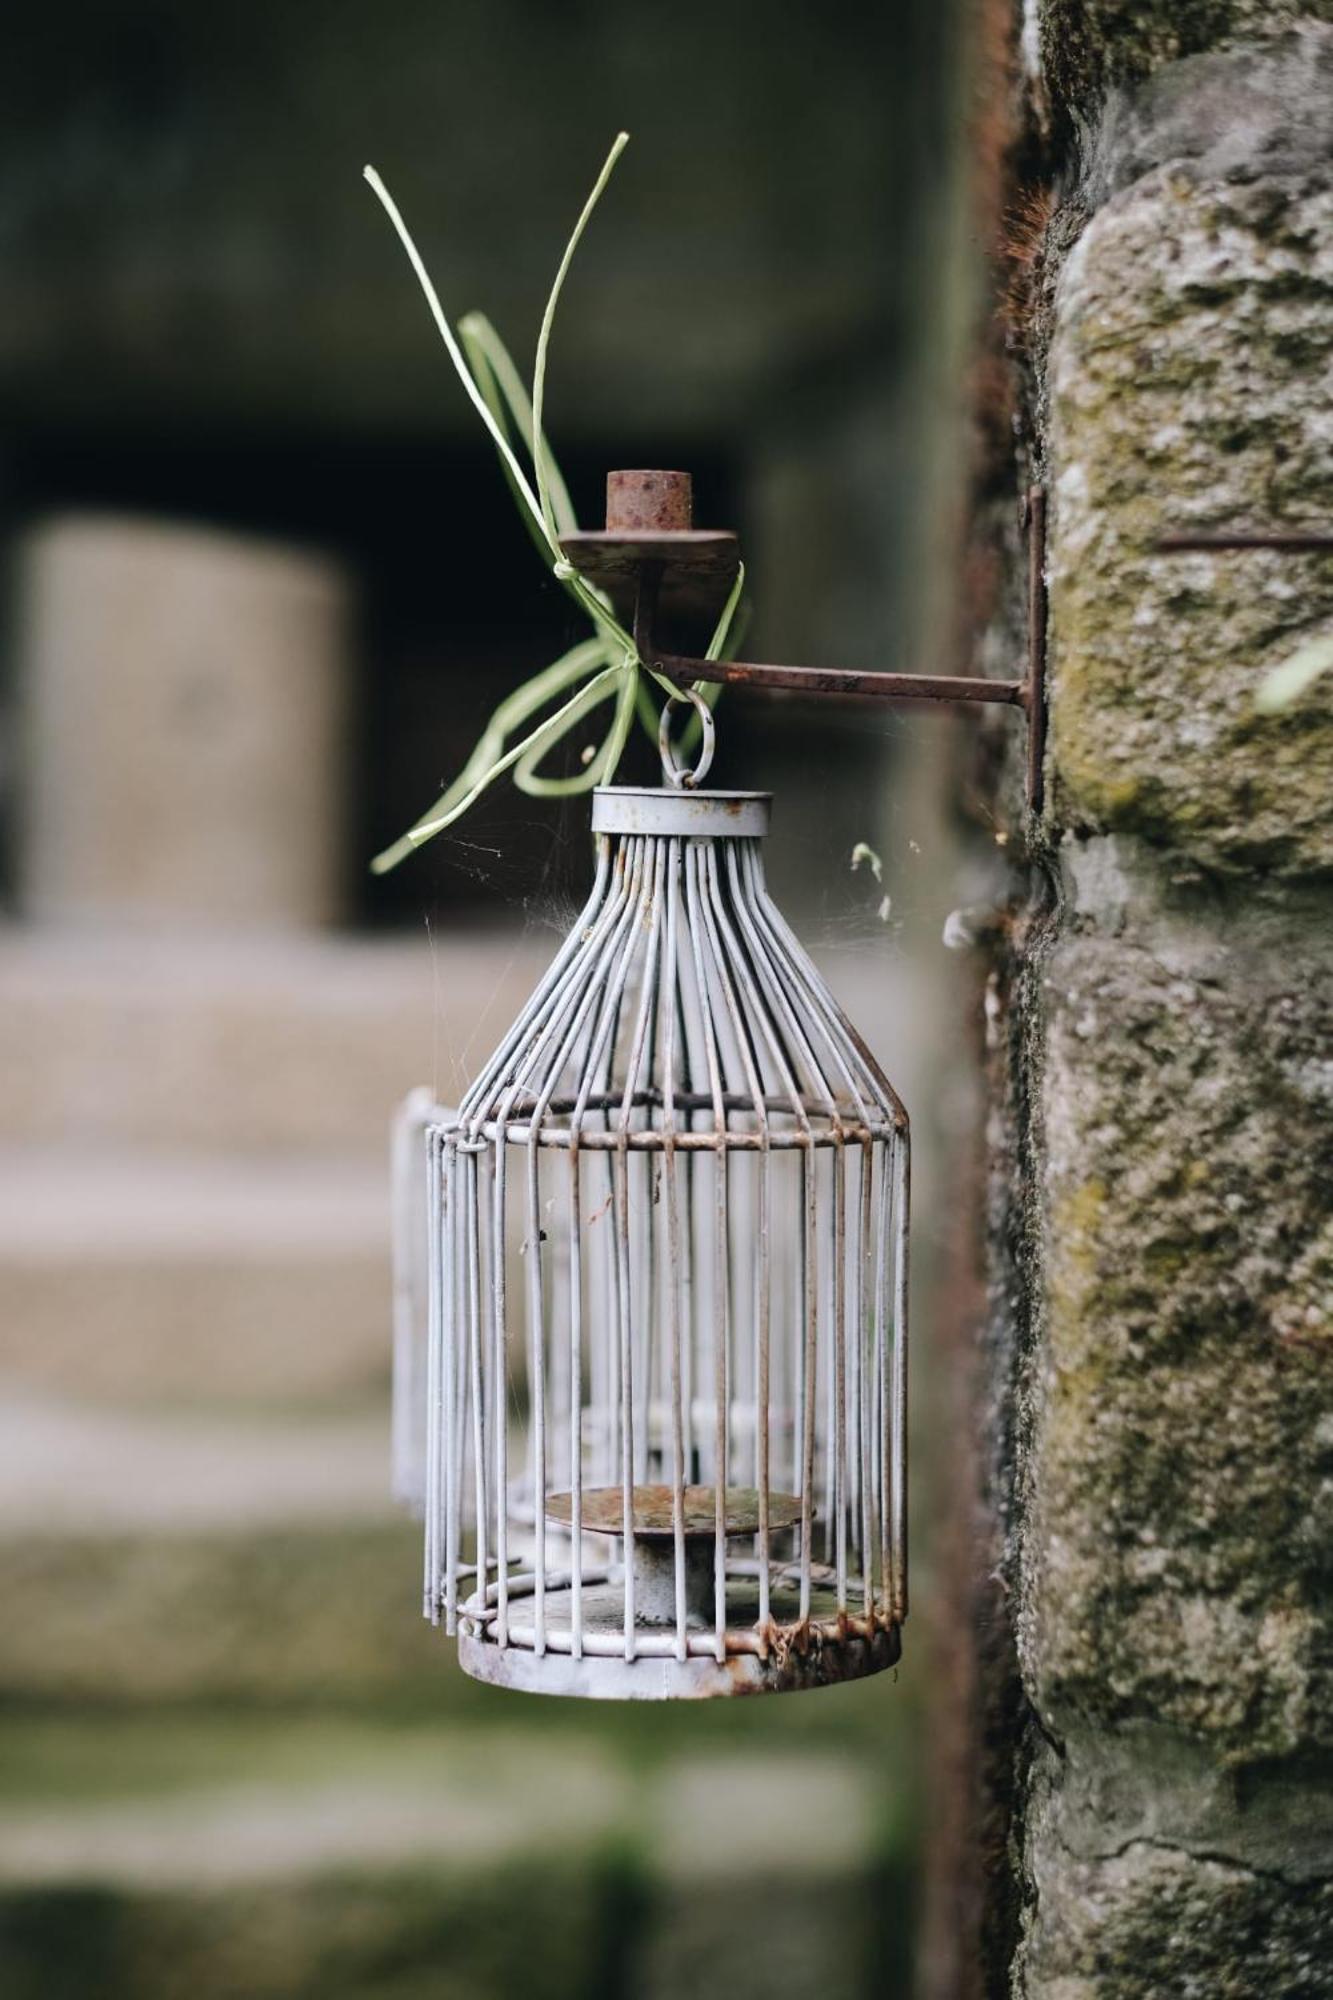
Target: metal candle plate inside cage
[666, 1277]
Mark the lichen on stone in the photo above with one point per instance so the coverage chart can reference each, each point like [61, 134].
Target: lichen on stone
[1090, 47]
[1191, 387]
[1188, 1342]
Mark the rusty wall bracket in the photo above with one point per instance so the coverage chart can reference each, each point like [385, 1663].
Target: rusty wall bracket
[1286, 541]
[649, 557]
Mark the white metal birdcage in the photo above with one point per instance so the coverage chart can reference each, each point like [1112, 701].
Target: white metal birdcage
[666, 1270]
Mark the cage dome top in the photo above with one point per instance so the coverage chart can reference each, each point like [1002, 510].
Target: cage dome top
[681, 1010]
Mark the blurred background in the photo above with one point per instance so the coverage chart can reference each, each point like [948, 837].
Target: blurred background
[263, 584]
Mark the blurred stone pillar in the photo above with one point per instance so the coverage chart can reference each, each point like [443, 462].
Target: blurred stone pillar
[183, 699]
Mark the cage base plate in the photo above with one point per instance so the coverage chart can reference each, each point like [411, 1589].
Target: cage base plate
[786, 1671]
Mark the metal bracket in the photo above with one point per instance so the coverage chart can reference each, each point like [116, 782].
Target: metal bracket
[650, 554]
[1287, 541]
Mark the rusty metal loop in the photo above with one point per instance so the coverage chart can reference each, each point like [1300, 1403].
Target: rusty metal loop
[674, 773]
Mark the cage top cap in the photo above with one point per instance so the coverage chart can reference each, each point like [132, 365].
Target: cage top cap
[687, 814]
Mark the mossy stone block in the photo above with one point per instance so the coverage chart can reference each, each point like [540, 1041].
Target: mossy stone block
[1150, 1921]
[1090, 47]
[1180, 1415]
[1191, 387]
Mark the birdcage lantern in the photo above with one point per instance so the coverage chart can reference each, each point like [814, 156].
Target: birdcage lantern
[666, 1275]
[663, 1352]
[664, 1262]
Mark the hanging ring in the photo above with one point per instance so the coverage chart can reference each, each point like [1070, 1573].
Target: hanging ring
[674, 773]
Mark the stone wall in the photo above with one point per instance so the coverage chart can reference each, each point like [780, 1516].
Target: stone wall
[1162, 1417]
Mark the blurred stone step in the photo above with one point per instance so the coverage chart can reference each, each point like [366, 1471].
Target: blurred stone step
[243, 1042]
[81, 1469]
[277, 1857]
[177, 1276]
[150, 1555]
[301, 1611]
[404, 1869]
